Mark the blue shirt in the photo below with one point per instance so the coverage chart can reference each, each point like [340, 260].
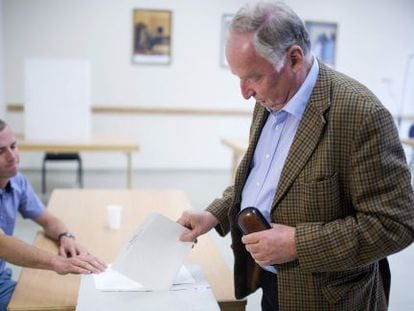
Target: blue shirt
[273, 147]
[17, 196]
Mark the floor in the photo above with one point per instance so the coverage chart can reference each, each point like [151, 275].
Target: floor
[202, 187]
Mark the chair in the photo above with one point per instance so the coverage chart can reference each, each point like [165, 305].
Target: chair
[411, 131]
[62, 157]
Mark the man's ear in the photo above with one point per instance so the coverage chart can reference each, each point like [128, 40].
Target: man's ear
[295, 57]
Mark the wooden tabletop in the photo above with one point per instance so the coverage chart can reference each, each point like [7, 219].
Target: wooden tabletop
[84, 211]
[409, 142]
[96, 143]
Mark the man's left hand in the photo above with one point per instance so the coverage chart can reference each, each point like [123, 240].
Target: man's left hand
[273, 246]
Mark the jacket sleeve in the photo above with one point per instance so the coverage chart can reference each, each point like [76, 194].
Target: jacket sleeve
[219, 208]
[382, 199]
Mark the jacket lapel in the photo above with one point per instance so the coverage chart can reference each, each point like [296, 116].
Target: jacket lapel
[308, 134]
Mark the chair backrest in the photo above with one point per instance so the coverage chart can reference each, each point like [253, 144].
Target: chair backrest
[411, 131]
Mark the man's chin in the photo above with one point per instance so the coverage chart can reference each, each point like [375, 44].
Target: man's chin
[13, 172]
[272, 107]
[263, 103]
[268, 106]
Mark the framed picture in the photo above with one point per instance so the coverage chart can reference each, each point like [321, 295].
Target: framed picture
[225, 23]
[152, 37]
[323, 40]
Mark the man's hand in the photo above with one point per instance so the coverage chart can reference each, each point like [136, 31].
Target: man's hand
[199, 222]
[81, 264]
[69, 248]
[273, 246]
[83, 261]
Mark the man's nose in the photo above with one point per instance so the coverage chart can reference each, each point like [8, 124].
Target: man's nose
[246, 90]
[11, 154]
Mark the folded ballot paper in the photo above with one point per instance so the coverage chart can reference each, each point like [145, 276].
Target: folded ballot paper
[151, 260]
[113, 281]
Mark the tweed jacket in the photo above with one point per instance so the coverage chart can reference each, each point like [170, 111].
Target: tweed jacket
[345, 187]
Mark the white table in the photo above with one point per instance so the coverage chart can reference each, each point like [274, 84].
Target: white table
[201, 299]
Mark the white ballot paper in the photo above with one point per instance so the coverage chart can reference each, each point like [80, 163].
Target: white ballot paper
[113, 281]
[154, 254]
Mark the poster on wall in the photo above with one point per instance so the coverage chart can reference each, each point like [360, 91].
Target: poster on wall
[225, 24]
[323, 40]
[151, 37]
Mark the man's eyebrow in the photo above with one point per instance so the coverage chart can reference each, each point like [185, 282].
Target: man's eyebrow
[248, 76]
[253, 74]
[11, 144]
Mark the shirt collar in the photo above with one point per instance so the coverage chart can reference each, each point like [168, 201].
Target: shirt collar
[297, 104]
[9, 186]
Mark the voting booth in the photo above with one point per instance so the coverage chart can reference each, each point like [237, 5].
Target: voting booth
[57, 107]
[57, 99]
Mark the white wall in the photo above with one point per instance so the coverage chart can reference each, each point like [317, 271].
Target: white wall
[374, 39]
[102, 32]
[2, 103]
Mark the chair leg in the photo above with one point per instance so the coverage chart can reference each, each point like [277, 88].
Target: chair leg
[80, 173]
[44, 176]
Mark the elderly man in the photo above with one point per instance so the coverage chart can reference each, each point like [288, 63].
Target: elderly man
[325, 168]
[16, 195]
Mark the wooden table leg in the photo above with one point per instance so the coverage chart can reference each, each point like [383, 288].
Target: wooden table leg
[129, 170]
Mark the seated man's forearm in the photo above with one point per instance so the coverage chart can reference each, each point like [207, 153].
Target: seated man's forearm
[19, 253]
[22, 254]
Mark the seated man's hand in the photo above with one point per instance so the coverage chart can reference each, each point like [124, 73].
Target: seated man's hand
[69, 248]
[80, 264]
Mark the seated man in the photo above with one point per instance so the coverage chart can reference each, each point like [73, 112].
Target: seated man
[16, 195]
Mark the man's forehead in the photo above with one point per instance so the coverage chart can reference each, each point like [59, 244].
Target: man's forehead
[239, 43]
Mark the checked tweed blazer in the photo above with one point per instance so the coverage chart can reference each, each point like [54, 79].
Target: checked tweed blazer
[345, 186]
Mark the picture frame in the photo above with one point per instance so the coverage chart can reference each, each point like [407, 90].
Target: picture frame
[225, 24]
[152, 32]
[323, 37]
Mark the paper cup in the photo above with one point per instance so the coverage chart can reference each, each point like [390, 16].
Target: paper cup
[114, 215]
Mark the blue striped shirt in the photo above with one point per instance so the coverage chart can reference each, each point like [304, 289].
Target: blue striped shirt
[273, 147]
[17, 196]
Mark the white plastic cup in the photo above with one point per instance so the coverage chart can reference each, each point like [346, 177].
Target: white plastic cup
[114, 213]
